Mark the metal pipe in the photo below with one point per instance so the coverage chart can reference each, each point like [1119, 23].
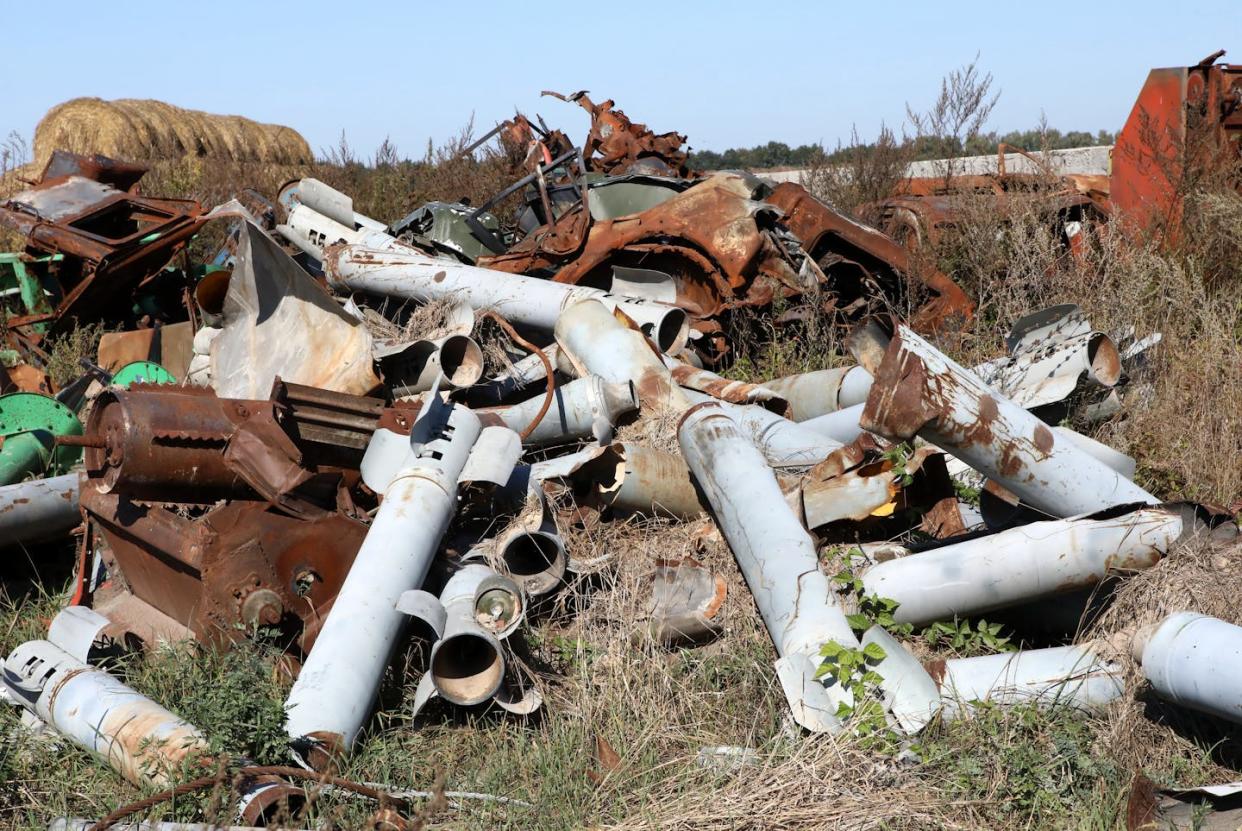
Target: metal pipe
[777, 558]
[783, 443]
[328, 201]
[1075, 676]
[334, 692]
[594, 342]
[1195, 661]
[1022, 564]
[39, 510]
[132, 734]
[812, 394]
[842, 425]
[919, 390]
[725, 389]
[582, 409]
[521, 375]
[633, 479]
[398, 270]
[481, 606]
[534, 558]
[78, 824]
[414, 368]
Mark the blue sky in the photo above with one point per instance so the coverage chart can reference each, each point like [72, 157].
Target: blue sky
[726, 73]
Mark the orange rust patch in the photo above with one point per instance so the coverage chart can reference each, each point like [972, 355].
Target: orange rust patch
[1043, 439]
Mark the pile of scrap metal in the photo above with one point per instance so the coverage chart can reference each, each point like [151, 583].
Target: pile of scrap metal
[338, 474]
[96, 251]
[1184, 125]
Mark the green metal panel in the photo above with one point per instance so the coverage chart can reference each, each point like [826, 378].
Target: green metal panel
[143, 372]
[29, 423]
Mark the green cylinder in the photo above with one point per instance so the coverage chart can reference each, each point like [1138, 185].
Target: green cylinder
[29, 424]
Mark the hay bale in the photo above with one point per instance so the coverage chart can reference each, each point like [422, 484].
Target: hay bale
[145, 130]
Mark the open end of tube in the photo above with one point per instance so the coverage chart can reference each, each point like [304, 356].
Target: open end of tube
[536, 560]
[461, 360]
[1105, 361]
[467, 668]
[673, 331]
[273, 803]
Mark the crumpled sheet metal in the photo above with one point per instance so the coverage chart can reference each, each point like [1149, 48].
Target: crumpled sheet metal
[826, 233]
[629, 478]
[278, 322]
[686, 604]
[1051, 352]
[615, 144]
[715, 230]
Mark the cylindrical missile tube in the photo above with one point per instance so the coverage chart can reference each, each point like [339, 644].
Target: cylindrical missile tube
[593, 342]
[132, 734]
[1076, 676]
[777, 558]
[334, 692]
[823, 391]
[1195, 661]
[39, 510]
[397, 270]
[582, 409]
[1022, 564]
[415, 369]
[783, 443]
[467, 663]
[535, 558]
[919, 390]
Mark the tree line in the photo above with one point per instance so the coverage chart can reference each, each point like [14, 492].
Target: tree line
[780, 154]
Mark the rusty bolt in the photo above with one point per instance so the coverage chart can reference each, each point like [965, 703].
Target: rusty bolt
[262, 607]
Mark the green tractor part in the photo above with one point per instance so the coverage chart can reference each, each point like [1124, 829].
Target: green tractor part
[29, 425]
[21, 290]
[142, 372]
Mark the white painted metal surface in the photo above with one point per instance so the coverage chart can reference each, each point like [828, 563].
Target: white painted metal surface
[593, 342]
[919, 390]
[1021, 564]
[1074, 676]
[334, 692]
[586, 408]
[1195, 661]
[40, 509]
[812, 394]
[784, 443]
[402, 271]
[132, 734]
[467, 664]
[777, 557]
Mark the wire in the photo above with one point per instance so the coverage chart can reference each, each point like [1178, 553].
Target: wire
[547, 365]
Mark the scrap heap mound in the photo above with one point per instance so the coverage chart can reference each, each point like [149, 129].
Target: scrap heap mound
[345, 436]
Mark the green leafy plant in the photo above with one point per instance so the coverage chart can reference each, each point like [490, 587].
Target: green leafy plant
[899, 455]
[873, 610]
[958, 635]
[854, 670]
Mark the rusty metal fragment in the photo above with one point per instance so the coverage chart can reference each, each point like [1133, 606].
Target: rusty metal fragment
[686, 602]
[852, 254]
[112, 239]
[616, 144]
